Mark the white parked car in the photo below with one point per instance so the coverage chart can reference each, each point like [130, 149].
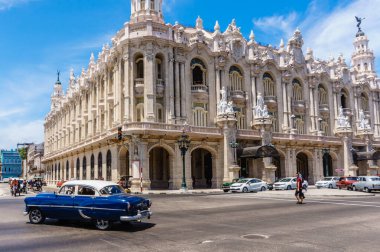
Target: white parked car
[327, 182]
[288, 184]
[249, 185]
[367, 184]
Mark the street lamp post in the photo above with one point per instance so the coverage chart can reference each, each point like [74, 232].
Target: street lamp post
[234, 145]
[184, 144]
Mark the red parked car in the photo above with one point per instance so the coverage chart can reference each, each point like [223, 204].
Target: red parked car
[346, 182]
[60, 183]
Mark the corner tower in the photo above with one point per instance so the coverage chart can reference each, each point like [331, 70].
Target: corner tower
[142, 10]
[362, 59]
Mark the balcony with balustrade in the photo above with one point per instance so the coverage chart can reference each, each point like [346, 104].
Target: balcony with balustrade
[271, 102]
[139, 87]
[237, 96]
[299, 107]
[160, 88]
[199, 90]
[324, 110]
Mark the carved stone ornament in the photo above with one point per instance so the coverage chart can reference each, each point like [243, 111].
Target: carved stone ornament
[260, 110]
[342, 121]
[224, 107]
[363, 122]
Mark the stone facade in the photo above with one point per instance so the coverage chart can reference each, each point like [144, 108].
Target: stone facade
[227, 93]
[34, 166]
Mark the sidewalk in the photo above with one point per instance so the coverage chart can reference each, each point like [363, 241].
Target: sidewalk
[312, 192]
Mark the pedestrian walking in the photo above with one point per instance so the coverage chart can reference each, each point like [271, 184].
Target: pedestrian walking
[299, 194]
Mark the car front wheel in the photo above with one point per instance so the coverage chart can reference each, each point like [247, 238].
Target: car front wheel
[289, 187]
[367, 190]
[36, 216]
[245, 189]
[330, 186]
[263, 188]
[353, 188]
[225, 190]
[102, 224]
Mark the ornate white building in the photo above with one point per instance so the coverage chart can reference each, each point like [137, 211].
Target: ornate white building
[277, 110]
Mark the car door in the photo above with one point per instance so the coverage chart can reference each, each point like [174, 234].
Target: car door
[293, 183]
[63, 203]
[84, 202]
[255, 183]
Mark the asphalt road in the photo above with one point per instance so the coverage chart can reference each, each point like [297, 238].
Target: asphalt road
[230, 222]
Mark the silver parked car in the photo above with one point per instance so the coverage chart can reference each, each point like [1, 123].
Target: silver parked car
[327, 182]
[367, 184]
[249, 185]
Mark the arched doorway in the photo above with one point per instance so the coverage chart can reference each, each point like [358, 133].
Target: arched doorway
[84, 168]
[67, 170]
[123, 162]
[327, 165]
[302, 165]
[92, 169]
[159, 168]
[201, 168]
[78, 168]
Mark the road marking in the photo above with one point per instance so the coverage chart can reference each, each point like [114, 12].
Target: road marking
[345, 203]
[111, 243]
[204, 242]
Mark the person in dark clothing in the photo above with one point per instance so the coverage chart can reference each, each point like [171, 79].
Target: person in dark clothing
[299, 194]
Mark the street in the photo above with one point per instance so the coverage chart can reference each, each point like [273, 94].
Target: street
[213, 222]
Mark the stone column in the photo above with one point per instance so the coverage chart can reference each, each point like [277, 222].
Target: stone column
[170, 88]
[312, 110]
[285, 106]
[177, 91]
[184, 94]
[149, 85]
[127, 89]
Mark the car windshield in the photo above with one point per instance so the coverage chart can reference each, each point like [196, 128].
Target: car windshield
[111, 190]
[242, 181]
[285, 180]
[326, 179]
[374, 179]
[352, 178]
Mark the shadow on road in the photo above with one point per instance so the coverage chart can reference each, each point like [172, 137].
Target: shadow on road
[117, 226]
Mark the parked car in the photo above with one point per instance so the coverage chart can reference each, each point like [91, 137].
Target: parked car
[367, 184]
[102, 202]
[60, 183]
[249, 185]
[6, 180]
[289, 184]
[346, 182]
[226, 186]
[327, 182]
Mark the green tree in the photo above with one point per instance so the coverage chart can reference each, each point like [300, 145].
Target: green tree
[22, 152]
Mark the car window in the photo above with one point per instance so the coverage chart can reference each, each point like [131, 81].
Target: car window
[364, 179]
[84, 190]
[253, 181]
[285, 180]
[243, 181]
[112, 189]
[67, 190]
[374, 179]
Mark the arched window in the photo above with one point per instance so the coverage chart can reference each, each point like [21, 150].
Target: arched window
[364, 102]
[269, 86]
[344, 99]
[297, 90]
[140, 68]
[322, 95]
[84, 168]
[109, 166]
[198, 72]
[142, 5]
[92, 164]
[200, 114]
[275, 122]
[100, 166]
[236, 79]
[78, 168]
[365, 67]
[159, 68]
[67, 170]
[152, 4]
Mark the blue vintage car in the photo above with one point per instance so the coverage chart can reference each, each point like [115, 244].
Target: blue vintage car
[102, 202]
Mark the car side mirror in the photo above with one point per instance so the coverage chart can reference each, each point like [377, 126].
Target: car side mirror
[248, 183]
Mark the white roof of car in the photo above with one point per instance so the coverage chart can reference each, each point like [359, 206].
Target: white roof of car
[97, 184]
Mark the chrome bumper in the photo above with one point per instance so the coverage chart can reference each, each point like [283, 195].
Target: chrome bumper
[139, 216]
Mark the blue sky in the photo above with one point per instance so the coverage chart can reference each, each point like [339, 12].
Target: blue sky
[37, 37]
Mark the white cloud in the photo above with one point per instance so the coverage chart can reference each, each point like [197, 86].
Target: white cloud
[277, 25]
[7, 113]
[7, 4]
[20, 132]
